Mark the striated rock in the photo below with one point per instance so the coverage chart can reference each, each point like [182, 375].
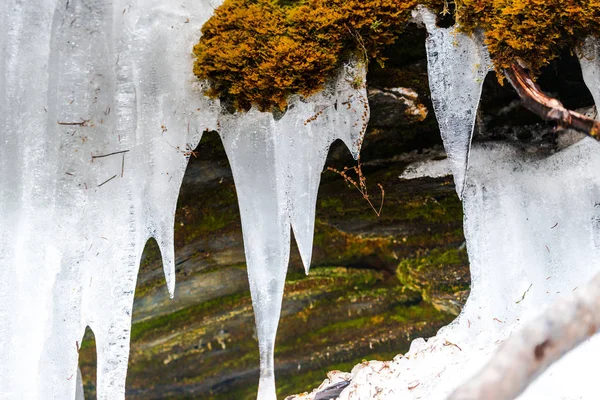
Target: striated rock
[394, 107]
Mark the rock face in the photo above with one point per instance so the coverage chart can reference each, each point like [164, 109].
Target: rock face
[376, 283]
[352, 305]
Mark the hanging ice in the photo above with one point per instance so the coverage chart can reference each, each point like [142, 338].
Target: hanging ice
[97, 113]
[589, 58]
[277, 166]
[457, 65]
[532, 227]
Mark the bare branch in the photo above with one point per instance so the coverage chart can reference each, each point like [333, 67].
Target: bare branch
[530, 351]
[547, 107]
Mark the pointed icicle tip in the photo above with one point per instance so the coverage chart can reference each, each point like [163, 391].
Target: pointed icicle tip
[167, 252]
[170, 279]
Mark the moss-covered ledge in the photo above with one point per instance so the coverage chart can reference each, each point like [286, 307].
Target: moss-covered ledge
[259, 52]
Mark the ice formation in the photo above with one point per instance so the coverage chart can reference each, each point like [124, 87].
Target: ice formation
[99, 115]
[589, 58]
[277, 166]
[532, 227]
[98, 112]
[528, 221]
[457, 65]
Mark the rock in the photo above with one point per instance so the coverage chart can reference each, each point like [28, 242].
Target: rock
[394, 107]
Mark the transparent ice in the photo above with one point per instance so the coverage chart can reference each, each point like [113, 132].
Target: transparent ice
[532, 227]
[457, 65]
[277, 166]
[81, 79]
[589, 58]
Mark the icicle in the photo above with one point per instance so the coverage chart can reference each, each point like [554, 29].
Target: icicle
[589, 58]
[99, 115]
[532, 227]
[79, 394]
[457, 65]
[277, 166]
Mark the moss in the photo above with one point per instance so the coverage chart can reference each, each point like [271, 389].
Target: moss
[424, 208]
[207, 215]
[262, 51]
[161, 324]
[532, 31]
[439, 275]
[259, 52]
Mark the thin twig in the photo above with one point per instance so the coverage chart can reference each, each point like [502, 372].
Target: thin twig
[122, 165]
[110, 154]
[108, 180]
[361, 186]
[523, 297]
[83, 122]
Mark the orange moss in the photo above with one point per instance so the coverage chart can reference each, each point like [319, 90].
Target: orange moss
[531, 31]
[259, 52]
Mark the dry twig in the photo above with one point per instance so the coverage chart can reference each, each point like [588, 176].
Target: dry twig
[547, 107]
[361, 184]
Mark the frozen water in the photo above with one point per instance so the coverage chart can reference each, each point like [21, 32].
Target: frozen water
[80, 80]
[589, 58]
[277, 166]
[532, 227]
[79, 393]
[99, 115]
[457, 65]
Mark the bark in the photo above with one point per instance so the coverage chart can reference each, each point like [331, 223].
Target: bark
[530, 351]
[547, 107]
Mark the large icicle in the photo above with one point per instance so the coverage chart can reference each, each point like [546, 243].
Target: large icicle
[457, 65]
[277, 166]
[98, 111]
[533, 234]
[589, 58]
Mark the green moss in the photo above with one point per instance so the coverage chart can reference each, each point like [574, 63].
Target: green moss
[207, 215]
[164, 323]
[427, 209]
[434, 273]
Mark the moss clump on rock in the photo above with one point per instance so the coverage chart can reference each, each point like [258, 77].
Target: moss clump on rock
[533, 32]
[259, 52]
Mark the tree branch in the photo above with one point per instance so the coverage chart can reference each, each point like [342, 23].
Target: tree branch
[529, 352]
[547, 107]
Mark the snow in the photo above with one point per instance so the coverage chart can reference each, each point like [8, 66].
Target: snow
[589, 58]
[457, 65]
[80, 79]
[277, 165]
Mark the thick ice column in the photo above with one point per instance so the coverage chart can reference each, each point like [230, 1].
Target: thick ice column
[276, 166]
[532, 226]
[99, 112]
[589, 58]
[457, 65]
[26, 209]
[250, 145]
